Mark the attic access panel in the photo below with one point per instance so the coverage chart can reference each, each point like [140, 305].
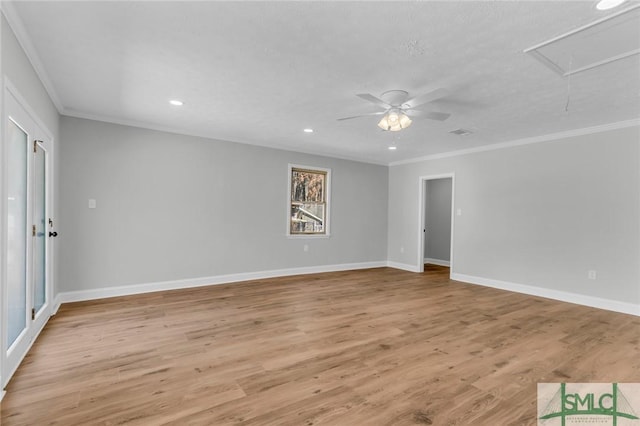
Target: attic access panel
[603, 41]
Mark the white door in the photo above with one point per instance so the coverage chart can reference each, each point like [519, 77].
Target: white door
[27, 289]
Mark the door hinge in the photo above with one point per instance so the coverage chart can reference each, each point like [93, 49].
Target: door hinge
[33, 230]
[33, 311]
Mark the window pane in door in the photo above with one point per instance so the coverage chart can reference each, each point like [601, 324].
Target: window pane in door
[16, 231]
[39, 214]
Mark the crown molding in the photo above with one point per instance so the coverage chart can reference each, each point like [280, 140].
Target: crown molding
[525, 141]
[167, 129]
[492, 147]
[16, 24]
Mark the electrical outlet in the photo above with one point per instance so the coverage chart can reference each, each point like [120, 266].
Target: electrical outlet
[592, 275]
[401, 249]
[306, 247]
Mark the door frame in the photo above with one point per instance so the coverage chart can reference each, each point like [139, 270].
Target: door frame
[422, 180]
[35, 326]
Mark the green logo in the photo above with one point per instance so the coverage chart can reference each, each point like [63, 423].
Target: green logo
[586, 403]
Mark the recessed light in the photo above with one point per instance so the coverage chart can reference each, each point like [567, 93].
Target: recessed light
[176, 102]
[393, 148]
[308, 130]
[608, 4]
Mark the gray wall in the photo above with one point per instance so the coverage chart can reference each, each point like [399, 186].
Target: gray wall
[437, 242]
[16, 66]
[541, 214]
[177, 207]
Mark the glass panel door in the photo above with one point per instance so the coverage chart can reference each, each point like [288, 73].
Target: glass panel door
[40, 224]
[26, 292]
[17, 147]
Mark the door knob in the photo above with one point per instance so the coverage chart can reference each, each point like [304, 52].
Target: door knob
[53, 234]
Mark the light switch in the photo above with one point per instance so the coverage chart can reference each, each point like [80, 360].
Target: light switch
[459, 212]
[92, 203]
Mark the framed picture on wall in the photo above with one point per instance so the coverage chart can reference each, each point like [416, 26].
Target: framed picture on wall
[308, 207]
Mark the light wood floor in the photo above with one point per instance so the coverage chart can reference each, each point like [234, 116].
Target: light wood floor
[373, 347]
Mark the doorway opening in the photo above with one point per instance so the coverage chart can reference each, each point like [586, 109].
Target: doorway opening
[436, 227]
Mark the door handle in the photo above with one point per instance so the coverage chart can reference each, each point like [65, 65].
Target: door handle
[53, 234]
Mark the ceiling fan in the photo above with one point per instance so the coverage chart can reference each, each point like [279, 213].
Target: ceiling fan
[398, 108]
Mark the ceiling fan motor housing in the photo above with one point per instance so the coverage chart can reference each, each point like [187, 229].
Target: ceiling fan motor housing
[394, 97]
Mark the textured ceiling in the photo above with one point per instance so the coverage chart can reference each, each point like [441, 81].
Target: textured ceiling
[261, 72]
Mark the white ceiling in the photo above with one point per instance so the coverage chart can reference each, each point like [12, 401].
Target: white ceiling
[261, 72]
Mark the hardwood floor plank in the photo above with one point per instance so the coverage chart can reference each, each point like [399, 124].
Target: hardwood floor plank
[375, 347]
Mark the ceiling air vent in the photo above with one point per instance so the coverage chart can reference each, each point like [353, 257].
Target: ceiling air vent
[461, 132]
[601, 42]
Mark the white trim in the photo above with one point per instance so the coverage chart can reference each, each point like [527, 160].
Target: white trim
[126, 290]
[563, 296]
[24, 40]
[48, 135]
[3, 220]
[18, 28]
[579, 29]
[177, 131]
[21, 110]
[421, 216]
[438, 262]
[307, 236]
[403, 266]
[509, 144]
[57, 301]
[9, 86]
[535, 50]
[34, 336]
[525, 141]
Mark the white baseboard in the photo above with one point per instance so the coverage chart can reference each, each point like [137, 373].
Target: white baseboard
[403, 266]
[126, 290]
[438, 262]
[57, 301]
[101, 293]
[564, 296]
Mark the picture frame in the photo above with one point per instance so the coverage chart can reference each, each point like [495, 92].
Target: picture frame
[308, 201]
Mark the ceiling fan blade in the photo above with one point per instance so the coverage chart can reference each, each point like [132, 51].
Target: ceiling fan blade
[426, 98]
[363, 115]
[374, 100]
[432, 115]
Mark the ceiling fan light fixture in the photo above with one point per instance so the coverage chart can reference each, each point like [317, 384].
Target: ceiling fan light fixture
[384, 123]
[394, 121]
[405, 121]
